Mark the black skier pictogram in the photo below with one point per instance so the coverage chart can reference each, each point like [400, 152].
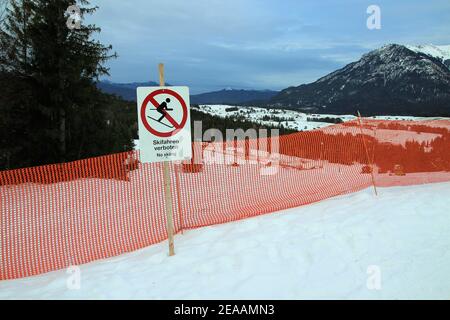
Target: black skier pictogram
[162, 108]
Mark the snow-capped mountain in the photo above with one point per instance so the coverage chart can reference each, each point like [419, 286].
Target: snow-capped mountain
[393, 80]
[439, 52]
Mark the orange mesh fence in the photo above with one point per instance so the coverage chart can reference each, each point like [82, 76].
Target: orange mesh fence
[55, 216]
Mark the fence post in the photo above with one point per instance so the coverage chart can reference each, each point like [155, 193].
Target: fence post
[367, 154]
[177, 188]
[167, 185]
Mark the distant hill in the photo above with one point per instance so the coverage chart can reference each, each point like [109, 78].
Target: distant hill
[233, 96]
[127, 91]
[392, 80]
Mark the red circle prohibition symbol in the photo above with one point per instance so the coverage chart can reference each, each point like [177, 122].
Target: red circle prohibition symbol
[177, 126]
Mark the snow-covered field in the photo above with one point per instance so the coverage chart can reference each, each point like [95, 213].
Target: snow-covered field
[393, 246]
[288, 118]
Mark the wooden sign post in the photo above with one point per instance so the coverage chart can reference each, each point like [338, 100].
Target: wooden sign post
[167, 185]
[164, 135]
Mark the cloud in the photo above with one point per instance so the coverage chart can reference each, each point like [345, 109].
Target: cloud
[212, 44]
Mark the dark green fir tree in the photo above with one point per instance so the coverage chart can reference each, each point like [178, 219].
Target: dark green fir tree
[52, 110]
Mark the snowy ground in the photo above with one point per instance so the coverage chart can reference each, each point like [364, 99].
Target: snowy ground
[394, 246]
[288, 118]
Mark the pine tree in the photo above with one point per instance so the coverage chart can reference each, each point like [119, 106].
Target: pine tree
[16, 83]
[65, 115]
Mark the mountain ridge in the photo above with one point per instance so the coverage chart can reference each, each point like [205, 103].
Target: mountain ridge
[439, 52]
[127, 91]
[390, 80]
[233, 96]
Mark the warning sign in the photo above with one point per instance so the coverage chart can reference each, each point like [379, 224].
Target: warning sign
[164, 123]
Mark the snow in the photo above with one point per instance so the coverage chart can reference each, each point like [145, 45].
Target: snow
[291, 119]
[386, 135]
[338, 248]
[440, 52]
[288, 118]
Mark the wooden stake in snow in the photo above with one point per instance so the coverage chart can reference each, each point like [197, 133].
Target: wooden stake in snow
[367, 154]
[167, 185]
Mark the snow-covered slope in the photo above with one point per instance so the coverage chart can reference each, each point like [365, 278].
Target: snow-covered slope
[287, 118]
[290, 119]
[440, 52]
[394, 246]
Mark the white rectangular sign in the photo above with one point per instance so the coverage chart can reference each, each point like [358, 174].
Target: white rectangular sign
[164, 123]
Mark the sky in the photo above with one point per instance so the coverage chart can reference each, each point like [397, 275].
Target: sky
[210, 45]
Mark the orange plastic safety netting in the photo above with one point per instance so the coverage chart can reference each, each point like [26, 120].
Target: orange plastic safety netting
[55, 216]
